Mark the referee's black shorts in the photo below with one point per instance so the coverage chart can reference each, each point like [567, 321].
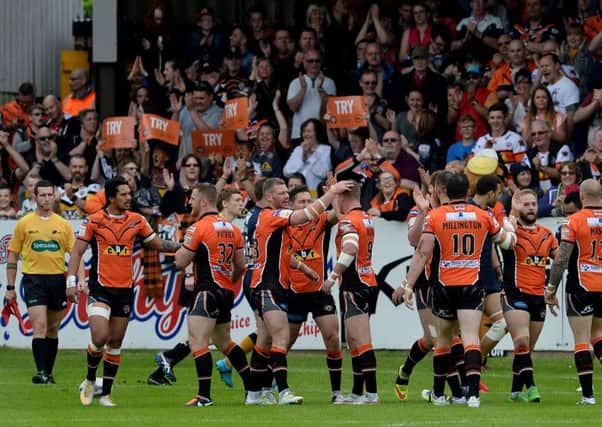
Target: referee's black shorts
[45, 289]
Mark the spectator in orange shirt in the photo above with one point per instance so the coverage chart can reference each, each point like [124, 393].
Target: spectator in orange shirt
[82, 95]
[15, 114]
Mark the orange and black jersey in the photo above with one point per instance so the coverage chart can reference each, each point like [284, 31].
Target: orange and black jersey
[267, 239]
[525, 264]
[214, 240]
[112, 240]
[422, 280]
[308, 243]
[584, 229]
[360, 273]
[461, 233]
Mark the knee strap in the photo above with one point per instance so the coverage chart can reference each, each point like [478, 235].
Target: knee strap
[497, 330]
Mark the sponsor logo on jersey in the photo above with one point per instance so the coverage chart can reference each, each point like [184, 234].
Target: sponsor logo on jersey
[469, 263]
[43, 246]
[118, 250]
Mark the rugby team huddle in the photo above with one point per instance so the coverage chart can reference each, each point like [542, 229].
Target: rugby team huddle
[470, 258]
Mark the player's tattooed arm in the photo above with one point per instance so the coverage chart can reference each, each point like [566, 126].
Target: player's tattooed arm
[561, 262]
[168, 246]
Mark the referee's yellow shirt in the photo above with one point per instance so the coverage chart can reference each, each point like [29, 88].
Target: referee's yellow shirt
[42, 243]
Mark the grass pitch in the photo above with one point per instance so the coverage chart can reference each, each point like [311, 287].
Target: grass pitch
[22, 403]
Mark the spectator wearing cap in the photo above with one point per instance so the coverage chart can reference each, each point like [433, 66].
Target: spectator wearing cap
[475, 100]
[418, 34]
[199, 113]
[234, 82]
[547, 156]
[391, 202]
[523, 177]
[517, 60]
[312, 156]
[307, 94]
[552, 202]
[476, 35]
[205, 43]
[430, 83]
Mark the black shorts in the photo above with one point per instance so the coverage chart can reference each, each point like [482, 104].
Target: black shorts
[118, 299]
[448, 300]
[359, 301]
[583, 303]
[213, 303]
[45, 289]
[424, 297]
[246, 288]
[517, 300]
[265, 300]
[316, 303]
[490, 282]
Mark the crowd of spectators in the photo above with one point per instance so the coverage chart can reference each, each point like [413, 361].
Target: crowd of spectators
[512, 88]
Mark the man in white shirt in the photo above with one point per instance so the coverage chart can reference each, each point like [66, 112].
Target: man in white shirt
[307, 94]
[565, 93]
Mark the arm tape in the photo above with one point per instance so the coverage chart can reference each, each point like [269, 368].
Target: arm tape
[506, 243]
[11, 265]
[351, 238]
[345, 259]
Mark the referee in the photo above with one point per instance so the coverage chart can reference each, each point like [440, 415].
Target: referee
[41, 238]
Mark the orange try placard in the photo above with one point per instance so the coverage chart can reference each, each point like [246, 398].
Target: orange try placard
[236, 113]
[157, 127]
[118, 132]
[206, 142]
[346, 112]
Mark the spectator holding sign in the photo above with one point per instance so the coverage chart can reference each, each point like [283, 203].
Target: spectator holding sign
[200, 112]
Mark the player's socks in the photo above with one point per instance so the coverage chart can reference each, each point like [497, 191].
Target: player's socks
[368, 363]
[112, 359]
[522, 355]
[472, 365]
[94, 357]
[178, 353]
[204, 365]
[334, 362]
[457, 351]
[279, 367]
[52, 345]
[453, 380]
[248, 342]
[239, 362]
[517, 384]
[417, 353]
[358, 377]
[441, 363]
[597, 343]
[585, 368]
[259, 368]
[39, 347]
